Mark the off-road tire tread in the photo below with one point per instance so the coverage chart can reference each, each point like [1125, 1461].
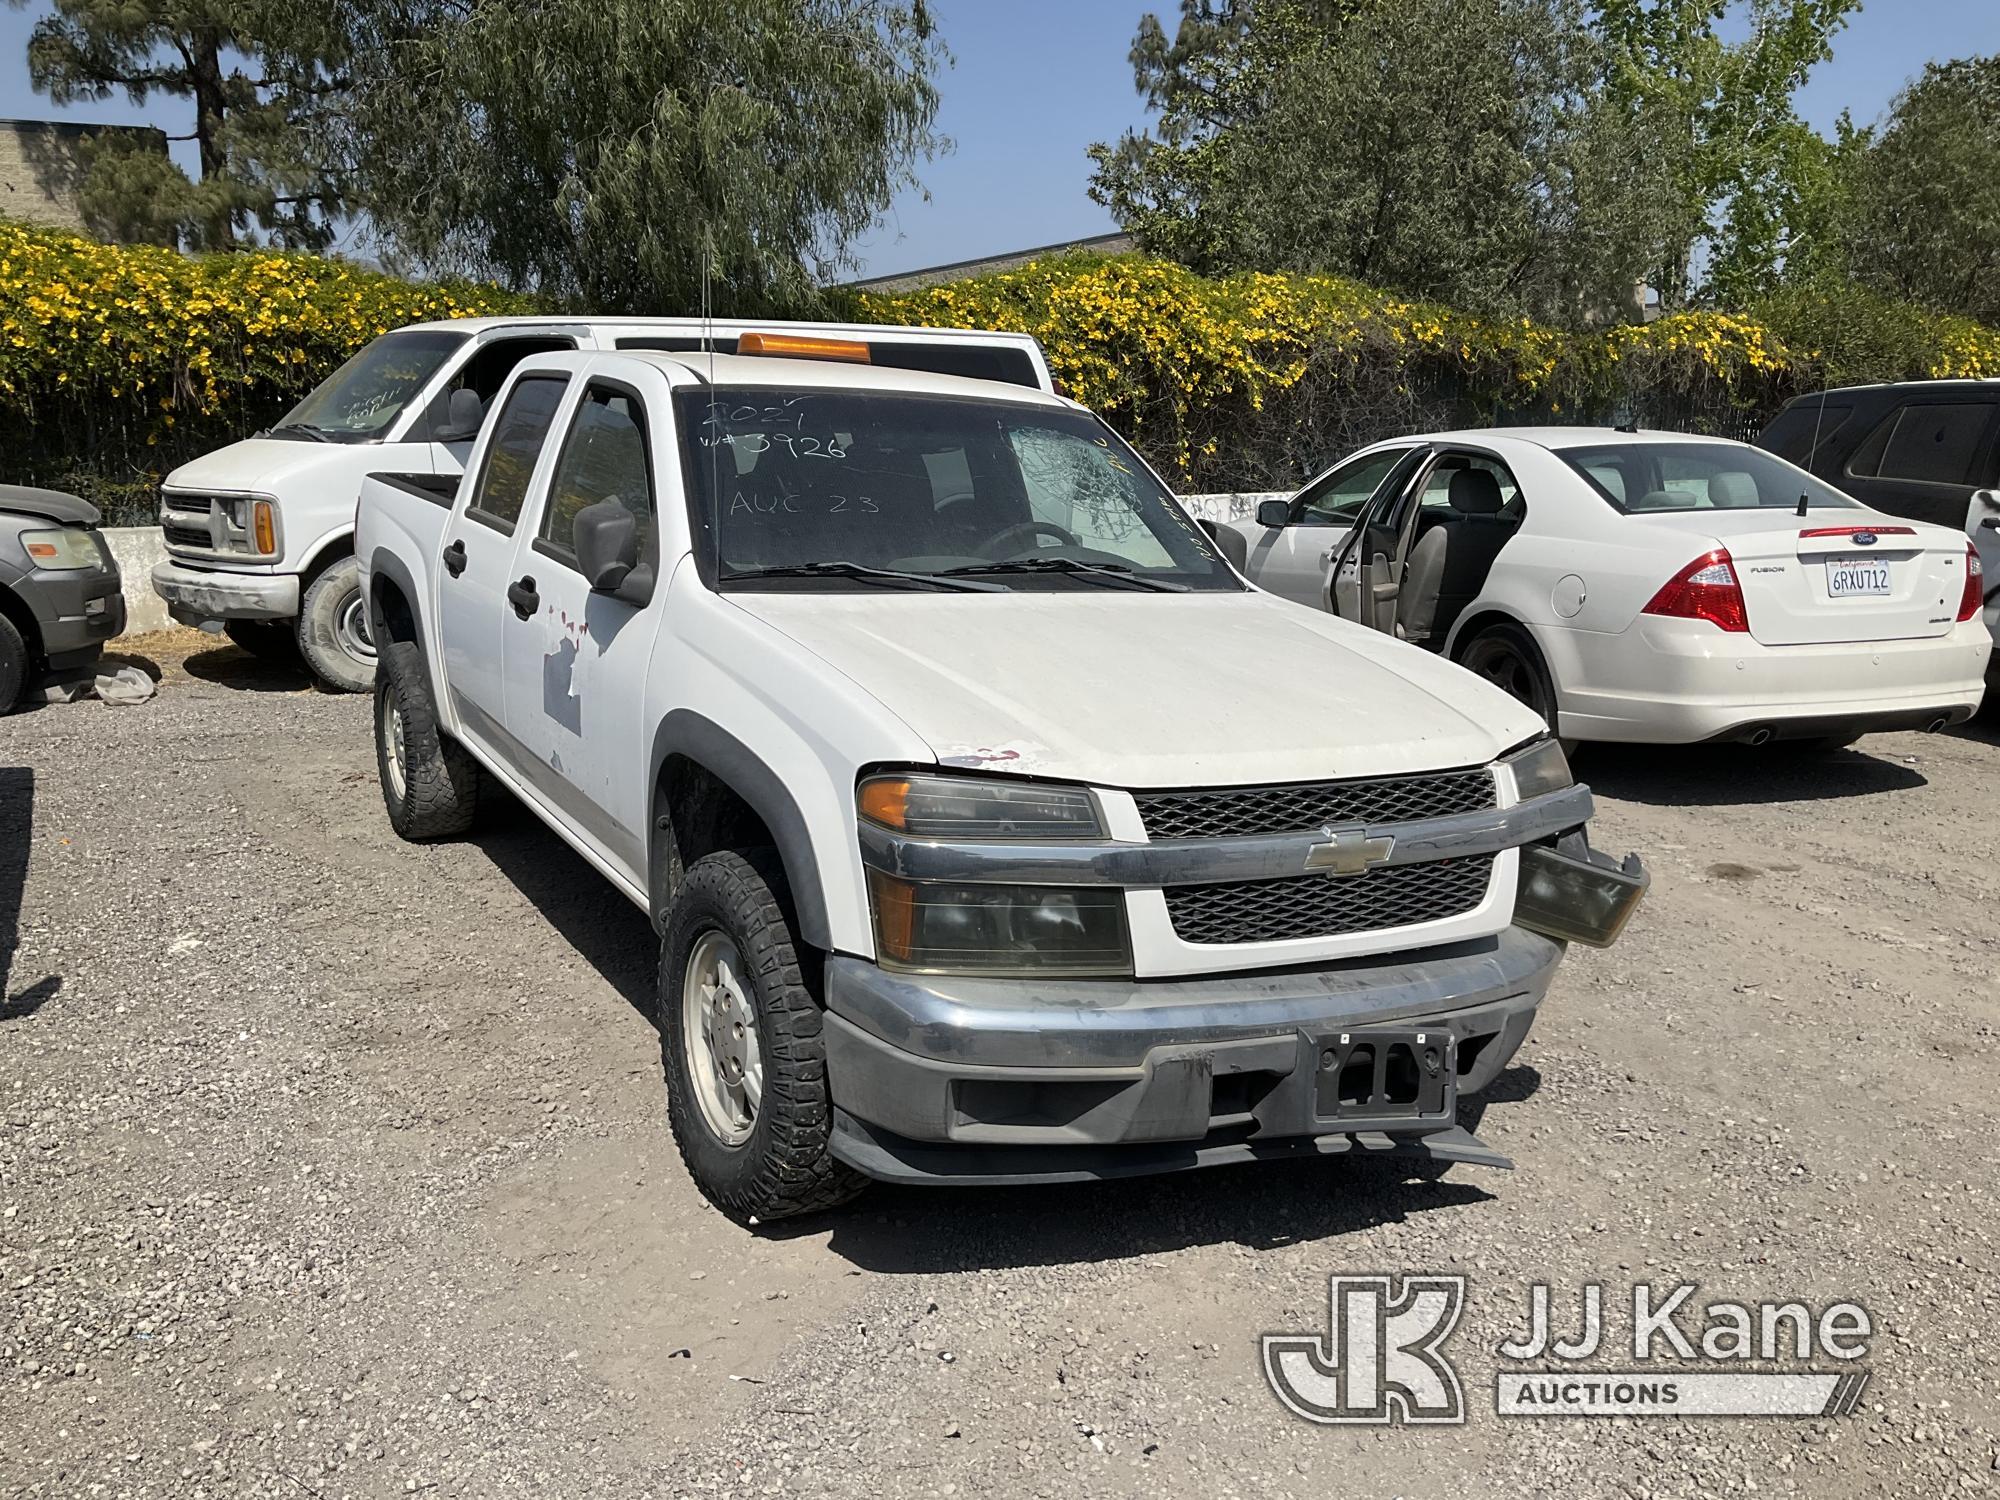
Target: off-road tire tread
[13, 664]
[440, 778]
[793, 1170]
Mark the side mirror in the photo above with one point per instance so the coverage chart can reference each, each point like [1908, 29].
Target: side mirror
[1228, 541]
[464, 411]
[1983, 513]
[1274, 513]
[606, 537]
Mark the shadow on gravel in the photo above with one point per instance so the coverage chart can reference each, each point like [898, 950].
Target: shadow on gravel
[17, 824]
[1733, 775]
[607, 931]
[232, 667]
[901, 1231]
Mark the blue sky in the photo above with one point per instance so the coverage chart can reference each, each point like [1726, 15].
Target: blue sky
[1035, 82]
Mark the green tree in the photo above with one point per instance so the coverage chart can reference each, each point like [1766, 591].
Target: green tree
[1924, 223]
[1460, 151]
[254, 73]
[633, 154]
[1748, 177]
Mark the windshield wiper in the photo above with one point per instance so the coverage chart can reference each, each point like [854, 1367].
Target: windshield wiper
[317, 434]
[1116, 572]
[841, 569]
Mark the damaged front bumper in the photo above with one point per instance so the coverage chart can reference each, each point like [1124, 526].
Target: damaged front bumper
[196, 596]
[1004, 1080]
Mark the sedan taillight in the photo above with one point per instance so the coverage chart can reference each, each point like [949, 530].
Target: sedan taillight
[1706, 589]
[1975, 584]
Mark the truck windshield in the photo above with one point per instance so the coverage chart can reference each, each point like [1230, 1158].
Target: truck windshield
[1640, 476]
[854, 490]
[357, 402]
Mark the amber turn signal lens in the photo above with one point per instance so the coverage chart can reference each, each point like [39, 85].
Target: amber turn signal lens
[895, 914]
[267, 532]
[798, 346]
[885, 800]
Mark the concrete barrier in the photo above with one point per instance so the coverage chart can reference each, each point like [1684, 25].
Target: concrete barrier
[137, 549]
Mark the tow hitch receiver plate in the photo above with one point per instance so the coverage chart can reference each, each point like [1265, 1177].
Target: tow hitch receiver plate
[1383, 1074]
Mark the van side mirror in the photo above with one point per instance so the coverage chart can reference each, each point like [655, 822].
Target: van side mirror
[464, 411]
[1274, 513]
[606, 538]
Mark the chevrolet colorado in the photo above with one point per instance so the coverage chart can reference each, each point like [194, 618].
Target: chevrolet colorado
[994, 828]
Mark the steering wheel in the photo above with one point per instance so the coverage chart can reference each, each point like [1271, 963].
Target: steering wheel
[1024, 530]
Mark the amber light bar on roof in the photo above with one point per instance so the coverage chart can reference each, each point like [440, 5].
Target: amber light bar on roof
[802, 346]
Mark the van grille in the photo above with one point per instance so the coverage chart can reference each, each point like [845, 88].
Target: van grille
[1236, 812]
[184, 521]
[1313, 906]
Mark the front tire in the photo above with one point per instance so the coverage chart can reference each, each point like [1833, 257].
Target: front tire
[430, 784]
[333, 630]
[13, 664]
[741, 1044]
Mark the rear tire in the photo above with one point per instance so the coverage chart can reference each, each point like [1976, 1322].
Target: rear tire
[13, 664]
[740, 1038]
[1508, 658]
[273, 641]
[430, 784]
[333, 631]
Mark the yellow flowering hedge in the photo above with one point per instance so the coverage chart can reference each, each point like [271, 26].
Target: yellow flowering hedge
[118, 362]
[1256, 380]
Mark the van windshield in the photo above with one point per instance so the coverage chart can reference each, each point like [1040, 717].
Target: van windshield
[853, 490]
[358, 402]
[1640, 477]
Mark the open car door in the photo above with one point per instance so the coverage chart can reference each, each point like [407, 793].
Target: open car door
[1366, 571]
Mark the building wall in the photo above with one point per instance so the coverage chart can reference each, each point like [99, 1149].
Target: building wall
[42, 164]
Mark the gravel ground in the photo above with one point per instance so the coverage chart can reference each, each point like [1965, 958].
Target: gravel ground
[332, 1166]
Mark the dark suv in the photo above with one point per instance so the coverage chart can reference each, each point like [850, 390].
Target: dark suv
[1919, 449]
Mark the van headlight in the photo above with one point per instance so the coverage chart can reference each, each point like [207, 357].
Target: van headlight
[1539, 767]
[972, 927]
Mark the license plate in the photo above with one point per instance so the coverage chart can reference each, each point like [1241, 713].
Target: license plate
[1847, 576]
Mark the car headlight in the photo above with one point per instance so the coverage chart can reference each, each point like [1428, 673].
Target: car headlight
[971, 807]
[63, 551]
[943, 928]
[1539, 768]
[972, 927]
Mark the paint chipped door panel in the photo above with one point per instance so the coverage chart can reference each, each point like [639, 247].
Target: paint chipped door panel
[575, 668]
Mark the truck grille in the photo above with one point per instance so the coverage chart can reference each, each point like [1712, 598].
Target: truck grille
[1311, 906]
[1237, 811]
[184, 521]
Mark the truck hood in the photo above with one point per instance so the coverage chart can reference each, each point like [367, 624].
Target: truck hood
[1151, 690]
[49, 505]
[258, 464]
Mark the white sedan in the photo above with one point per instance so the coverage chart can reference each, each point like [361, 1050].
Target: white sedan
[1640, 586]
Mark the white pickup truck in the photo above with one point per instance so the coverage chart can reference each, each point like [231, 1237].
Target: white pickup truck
[994, 828]
[260, 534]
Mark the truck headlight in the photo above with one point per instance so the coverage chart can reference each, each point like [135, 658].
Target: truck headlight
[940, 928]
[972, 807]
[1539, 767]
[63, 551]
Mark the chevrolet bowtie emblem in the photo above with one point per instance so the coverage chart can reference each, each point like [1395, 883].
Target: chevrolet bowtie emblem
[1349, 851]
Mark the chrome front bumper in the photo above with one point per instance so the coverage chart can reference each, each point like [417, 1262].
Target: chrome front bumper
[197, 595]
[937, 1079]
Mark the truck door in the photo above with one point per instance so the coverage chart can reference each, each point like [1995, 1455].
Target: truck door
[474, 579]
[576, 661]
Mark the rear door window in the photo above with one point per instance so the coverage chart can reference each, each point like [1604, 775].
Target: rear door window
[518, 435]
[1926, 443]
[1804, 429]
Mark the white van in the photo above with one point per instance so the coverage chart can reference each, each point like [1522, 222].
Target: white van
[260, 535]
